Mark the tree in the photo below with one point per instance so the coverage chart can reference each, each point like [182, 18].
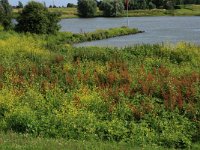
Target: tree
[20, 5]
[112, 8]
[152, 5]
[35, 18]
[142, 4]
[70, 5]
[169, 5]
[158, 3]
[5, 14]
[87, 8]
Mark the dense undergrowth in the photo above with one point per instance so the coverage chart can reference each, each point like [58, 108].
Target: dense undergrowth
[144, 95]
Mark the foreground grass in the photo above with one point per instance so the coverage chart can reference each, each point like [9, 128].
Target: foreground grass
[141, 95]
[186, 10]
[13, 141]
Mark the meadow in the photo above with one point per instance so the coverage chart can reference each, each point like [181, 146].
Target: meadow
[140, 96]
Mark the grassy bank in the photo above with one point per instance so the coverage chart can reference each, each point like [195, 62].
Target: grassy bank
[141, 95]
[71, 38]
[186, 10]
[67, 38]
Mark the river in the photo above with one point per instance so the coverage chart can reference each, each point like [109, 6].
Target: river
[157, 29]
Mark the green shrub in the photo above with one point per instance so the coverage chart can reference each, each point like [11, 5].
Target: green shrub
[22, 119]
[173, 130]
[5, 14]
[152, 5]
[112, 8]
[35, 18]
[87, 8]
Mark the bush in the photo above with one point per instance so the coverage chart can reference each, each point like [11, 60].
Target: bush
[177, 7]
[112, 8]
[5, 14]
[152, 5]
[169, 5]
[87, 8]
[22, 119]
[20, 5]
[70, 5]
[35, 18]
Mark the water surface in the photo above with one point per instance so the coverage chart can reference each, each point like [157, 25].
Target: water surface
[157, 29]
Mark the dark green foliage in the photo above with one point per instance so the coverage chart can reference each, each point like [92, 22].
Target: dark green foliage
[112, 8]
[152, 5]
[35, 18]
[22, 120]
[5, 14]
[142, 4]
[70, 5]
[53, 22]
[20, 5]
[169, 5]
[160, 4]
[87, 8]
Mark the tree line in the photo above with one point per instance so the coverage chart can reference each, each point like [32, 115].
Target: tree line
[112, 8]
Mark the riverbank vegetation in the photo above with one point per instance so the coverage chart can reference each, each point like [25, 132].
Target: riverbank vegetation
[71, 38]
[140, 95]
[52, 93]
[185, 10]
[5, 15]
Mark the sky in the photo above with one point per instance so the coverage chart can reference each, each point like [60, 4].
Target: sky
[48, 2]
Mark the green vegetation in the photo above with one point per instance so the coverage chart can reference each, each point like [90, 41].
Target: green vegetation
[87, 8]
[20, 5]
[65, 12]
[94, 98]
[141, 95]
[5, 14]
[35, 18]
[71, 38]
[10, 141]
[112, 8]
[186, 10]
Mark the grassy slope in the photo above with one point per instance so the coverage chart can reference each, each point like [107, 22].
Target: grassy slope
[187, 10]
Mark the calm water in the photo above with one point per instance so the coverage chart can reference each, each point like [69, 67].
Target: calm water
[157, 29]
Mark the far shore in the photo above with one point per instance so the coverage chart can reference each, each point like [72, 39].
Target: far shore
[187, 10]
